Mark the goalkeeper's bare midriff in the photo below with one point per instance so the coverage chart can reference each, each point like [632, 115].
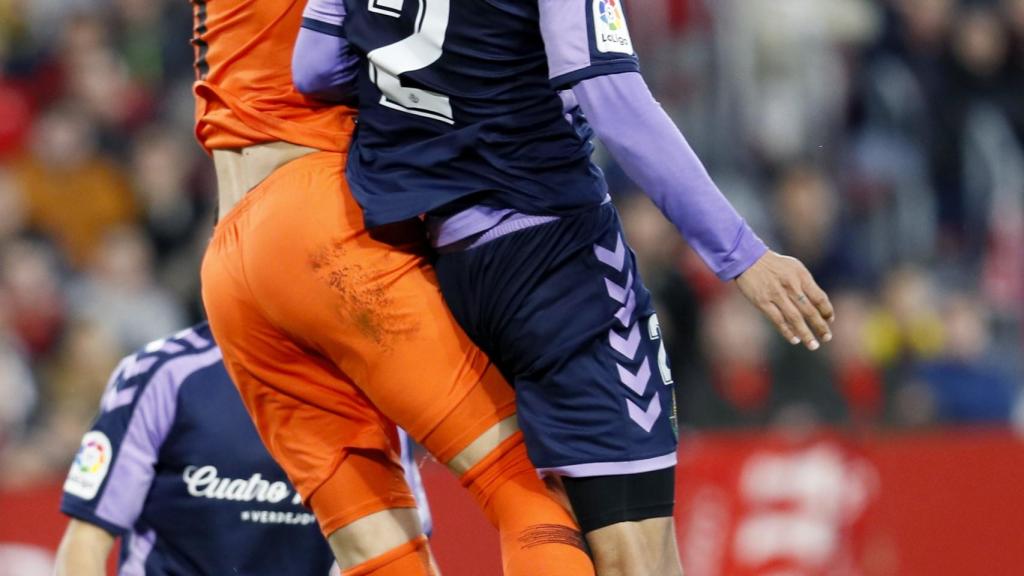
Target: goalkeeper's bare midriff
[241, 170]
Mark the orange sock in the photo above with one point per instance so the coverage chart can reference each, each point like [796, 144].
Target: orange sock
[409, 559]
[538, 536]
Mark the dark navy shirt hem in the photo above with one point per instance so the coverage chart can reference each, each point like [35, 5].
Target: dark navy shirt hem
[323, 27]
[87, 516]
[604, 68]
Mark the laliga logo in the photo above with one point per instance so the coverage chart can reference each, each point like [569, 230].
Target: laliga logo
[92, 462]
[91, 457]
[610, 31]
[611, 14]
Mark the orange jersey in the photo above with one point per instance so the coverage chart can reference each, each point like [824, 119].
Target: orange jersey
[244, 92]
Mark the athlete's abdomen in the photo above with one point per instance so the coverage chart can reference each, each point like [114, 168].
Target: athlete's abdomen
[244, 92]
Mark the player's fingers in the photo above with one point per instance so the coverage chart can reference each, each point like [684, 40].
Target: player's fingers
[796, 320]
[819, 299]
[811, 314]
[775, 315]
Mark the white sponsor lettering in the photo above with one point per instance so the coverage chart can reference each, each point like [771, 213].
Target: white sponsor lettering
[205, 482]
[276, 517]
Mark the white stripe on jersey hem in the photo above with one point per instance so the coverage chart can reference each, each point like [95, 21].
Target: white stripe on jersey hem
[612, 468]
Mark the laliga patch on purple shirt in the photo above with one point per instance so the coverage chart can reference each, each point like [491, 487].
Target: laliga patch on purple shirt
[610, 31]
[92, 462]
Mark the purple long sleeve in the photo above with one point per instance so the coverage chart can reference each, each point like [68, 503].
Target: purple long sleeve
[323, 63]
[657, 157]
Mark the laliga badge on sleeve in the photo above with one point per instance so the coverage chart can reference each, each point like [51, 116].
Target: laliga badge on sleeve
[610, 32]
[92, 462]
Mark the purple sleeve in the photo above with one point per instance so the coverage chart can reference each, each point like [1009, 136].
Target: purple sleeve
[135, 466]
[323, 63]
[655, 155]
[584, 39]
[331, 12]
[115, 465]
[109, 480]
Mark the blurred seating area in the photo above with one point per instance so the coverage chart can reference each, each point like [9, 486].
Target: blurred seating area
[881, 142]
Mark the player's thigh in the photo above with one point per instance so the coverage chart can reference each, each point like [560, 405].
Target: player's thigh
[369, 302]
[562, 310]
[278, 379]
[308, 414]
[341, 454]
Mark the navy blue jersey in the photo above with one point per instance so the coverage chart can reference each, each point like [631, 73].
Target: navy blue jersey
[459, 103]
[174, 465]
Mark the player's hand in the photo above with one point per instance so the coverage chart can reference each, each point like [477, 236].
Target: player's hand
[783, 289]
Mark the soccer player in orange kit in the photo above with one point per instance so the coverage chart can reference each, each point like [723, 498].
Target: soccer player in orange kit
[331, 333]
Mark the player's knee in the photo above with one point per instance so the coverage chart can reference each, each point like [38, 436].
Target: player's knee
[410, 559]
[484, 445]
[602, 501]
[377, 539]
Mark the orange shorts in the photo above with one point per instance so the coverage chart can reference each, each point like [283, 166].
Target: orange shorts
[332, 335]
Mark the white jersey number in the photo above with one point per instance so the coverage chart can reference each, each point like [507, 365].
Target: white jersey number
[654, 331]
[416, 52]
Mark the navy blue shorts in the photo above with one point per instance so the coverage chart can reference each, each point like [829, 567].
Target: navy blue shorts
[560, 309]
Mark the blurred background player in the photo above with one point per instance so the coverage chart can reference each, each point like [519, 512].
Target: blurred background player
[173, 466]
[332, 335]
[461, 118]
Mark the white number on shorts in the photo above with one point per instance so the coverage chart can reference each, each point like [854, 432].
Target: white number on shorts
[654, 331]
[416, 52]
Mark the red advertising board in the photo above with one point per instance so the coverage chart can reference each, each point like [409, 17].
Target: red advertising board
[943, 503]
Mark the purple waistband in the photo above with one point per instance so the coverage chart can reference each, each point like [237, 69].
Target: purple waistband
[477, 226]
[462, 225]
[514, 223]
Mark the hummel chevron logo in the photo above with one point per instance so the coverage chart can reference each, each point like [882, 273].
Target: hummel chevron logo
[136, 367]
[635, 382]
[114, 398]
[625, 314]
[645, 418]
[614, 259]
[625, 346]
[619, 293]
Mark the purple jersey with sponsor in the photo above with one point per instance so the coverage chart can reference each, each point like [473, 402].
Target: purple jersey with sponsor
[174, 465]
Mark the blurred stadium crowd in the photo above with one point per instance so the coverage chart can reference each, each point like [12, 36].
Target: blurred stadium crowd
[881, 142]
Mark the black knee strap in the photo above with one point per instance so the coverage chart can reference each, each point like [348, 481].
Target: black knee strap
[605, 500]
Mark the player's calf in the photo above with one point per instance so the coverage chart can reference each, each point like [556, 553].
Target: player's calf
[538, 536]
[634, 548]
